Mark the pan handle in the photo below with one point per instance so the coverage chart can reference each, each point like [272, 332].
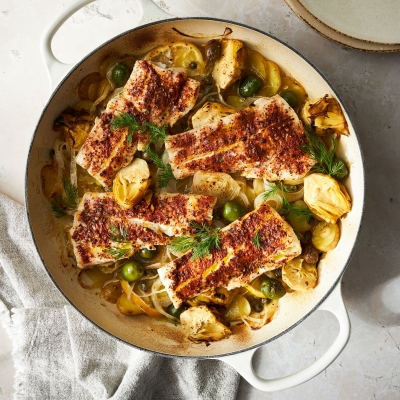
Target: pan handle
[56, 70]
[242, 362]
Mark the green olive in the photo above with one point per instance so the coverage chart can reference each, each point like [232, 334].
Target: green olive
[232, 211]
[250, 85]
[193, 65]
[175, 312]
[290, 97]
[272, 288]
[147, 254]
[120, 74]
[340, 168]
[131, 271]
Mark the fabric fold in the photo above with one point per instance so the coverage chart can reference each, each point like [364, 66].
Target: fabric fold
[58, 354]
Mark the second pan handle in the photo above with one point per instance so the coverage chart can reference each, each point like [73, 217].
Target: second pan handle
[56, 70]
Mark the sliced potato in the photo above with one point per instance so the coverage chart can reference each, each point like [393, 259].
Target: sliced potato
[299, 275]
[230, 67]
[325, 198]
[217, 184]
[267, 70]
[111, 292]
[289, 83]
[239, 308]
[178, 55]
[299, 223]
[51, 181]
[200, 324]
[127, 307]
[325, 236]
[131, 183]
[87, 88]
[209, 113]
[272, 81]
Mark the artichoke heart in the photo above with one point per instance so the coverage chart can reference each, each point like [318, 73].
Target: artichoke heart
[199, 324]
[325, 115]
[209, 113]
[75, 126]
[324, 197]
[299, 275]
[230, 67]
[217, 184]
[131, 183]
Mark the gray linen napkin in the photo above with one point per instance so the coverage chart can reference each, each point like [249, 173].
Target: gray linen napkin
[58, 354]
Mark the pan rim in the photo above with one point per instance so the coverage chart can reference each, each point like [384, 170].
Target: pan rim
[202, 357]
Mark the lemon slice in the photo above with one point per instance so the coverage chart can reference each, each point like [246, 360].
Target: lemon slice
[178, 55]
[255, 287]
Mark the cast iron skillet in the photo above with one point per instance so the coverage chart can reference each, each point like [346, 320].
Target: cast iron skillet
[143, 332]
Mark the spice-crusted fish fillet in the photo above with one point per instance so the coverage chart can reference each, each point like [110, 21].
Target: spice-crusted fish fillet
[261, 141]
[238, 260]
[103, 231]
[152, 94]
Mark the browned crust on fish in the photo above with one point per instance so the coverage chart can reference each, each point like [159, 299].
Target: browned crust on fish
[238, 257]
[261, 141]
[152, 95]
[98, 212]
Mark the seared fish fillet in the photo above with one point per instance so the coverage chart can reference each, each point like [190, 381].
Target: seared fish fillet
[103, 231]
[238, 260]
[261, 141]
[152, 94]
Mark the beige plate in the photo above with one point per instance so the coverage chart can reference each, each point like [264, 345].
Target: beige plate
[142, 331]
[325, 27]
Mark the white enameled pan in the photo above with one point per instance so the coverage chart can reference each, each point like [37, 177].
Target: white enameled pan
[141, 331]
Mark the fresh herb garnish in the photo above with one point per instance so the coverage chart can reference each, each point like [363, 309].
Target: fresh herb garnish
[288, 209]
[118, 253]
[126, 120]
[274, 190]
[295, 210]
[325, 160]
[69, 200]
[201, 244]
[156, 135]
[118, 235]
[256, 240]
[166, 171]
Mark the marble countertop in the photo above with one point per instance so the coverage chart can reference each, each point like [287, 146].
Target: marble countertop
[369, 85]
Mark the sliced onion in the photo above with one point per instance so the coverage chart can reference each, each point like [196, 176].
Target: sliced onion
[274, 201]
[294, 196]
[72, 171]
[157, 305]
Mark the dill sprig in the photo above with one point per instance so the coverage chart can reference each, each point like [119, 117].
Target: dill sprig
[126, 120]
[166, 171]
[69, 200]
[295, 211]
[274, 190]
[256, 240]
[288, 209]
[201, 244]
[118, 253]
[156, 134]
[325, 160]
[118, 235]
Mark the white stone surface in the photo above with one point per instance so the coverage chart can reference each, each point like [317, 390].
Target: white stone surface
[369, 85]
